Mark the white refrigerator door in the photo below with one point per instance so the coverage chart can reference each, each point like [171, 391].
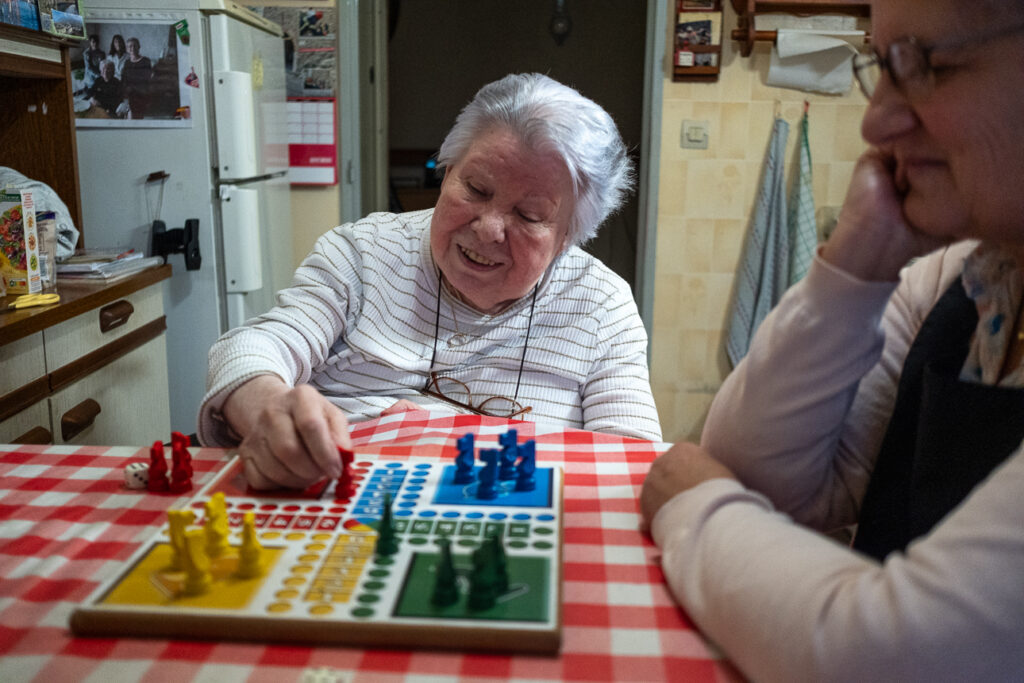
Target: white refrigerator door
[249, 99]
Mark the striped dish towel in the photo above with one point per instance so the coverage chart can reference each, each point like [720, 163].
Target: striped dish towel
[803, 230]
[764, 266]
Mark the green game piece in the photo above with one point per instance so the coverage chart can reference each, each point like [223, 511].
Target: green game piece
[500, 563]
[484, 580]
[446, 592]
[387, 541]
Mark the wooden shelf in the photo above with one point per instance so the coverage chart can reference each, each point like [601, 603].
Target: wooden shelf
[747, 10]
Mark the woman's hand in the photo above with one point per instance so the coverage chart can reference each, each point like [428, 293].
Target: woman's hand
[678, 469]
[290, 436]
[872, 239]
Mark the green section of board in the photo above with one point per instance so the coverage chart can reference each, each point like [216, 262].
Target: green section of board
[525, 600]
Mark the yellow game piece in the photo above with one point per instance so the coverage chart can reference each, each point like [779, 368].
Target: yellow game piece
[216, 525]
[250, 560]
[197, 563]
[178, 520]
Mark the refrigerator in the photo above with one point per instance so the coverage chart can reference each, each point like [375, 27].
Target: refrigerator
[222, 163]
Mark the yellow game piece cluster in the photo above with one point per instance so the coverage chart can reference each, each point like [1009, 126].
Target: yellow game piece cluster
[194, 550]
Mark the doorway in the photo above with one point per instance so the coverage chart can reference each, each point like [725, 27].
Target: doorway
[440, 52]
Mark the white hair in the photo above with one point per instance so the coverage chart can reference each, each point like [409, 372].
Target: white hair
[549, 117]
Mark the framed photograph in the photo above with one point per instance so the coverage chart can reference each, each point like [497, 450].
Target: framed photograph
[697, 42]
[699, 5]
[132, 74]
[61, 18]
[20, 13]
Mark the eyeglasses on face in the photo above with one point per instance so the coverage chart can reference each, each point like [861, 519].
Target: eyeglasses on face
[457, 393]
[908, 63]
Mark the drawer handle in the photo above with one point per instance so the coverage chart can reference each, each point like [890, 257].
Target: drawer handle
[78, 419]
[37, 436]
[115, 315]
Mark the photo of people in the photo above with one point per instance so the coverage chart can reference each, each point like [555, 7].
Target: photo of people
[692, 33]
[131, 75]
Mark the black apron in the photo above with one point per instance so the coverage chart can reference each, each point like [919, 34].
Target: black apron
[945, 436]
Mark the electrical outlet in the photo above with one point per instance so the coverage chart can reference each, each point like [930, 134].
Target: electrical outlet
[694, 135]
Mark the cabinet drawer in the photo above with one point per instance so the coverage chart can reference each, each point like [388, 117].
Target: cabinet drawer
[72, 339]
[124, 403]
[33, 422]
[21, 362]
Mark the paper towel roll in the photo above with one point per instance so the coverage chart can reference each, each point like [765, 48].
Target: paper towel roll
[813, 60]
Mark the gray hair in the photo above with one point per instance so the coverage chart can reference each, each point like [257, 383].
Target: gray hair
[550, 117]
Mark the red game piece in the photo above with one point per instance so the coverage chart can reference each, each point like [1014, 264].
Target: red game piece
[346, 486]
[181, 464]
[157, 469]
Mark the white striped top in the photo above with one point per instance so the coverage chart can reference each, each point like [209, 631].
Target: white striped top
[358, 324]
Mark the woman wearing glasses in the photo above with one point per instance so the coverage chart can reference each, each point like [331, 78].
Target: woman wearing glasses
[483, 304]
[891, 401]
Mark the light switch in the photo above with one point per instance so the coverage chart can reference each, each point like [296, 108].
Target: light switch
[694, 135]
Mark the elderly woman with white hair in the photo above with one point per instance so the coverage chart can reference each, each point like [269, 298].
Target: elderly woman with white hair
[483, 304]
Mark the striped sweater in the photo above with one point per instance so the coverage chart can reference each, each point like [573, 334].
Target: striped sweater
[358, 324]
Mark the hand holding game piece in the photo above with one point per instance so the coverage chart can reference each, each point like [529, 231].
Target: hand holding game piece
[157, 469]
[465, 459]
[290, 435]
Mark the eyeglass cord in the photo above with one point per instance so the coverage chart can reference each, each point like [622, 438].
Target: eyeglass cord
[437, 324]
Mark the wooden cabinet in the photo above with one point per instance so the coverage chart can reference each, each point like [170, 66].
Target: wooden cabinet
[37, 125]
[90, 370]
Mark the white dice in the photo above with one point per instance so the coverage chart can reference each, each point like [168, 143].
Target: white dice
[136, 475]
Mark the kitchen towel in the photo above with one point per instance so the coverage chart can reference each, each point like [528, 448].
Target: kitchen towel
[764, 265]
[809, 60]
[803, 230]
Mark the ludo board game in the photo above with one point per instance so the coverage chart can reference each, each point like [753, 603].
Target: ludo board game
[462, 553]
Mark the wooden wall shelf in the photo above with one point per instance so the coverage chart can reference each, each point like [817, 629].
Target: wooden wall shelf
[747, 10]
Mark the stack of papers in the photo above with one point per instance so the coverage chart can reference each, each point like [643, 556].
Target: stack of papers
[105, 265]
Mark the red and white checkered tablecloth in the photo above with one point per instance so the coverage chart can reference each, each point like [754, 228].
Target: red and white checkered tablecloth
[67, 523]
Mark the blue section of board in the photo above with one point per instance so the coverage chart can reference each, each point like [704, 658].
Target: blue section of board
[451, 493]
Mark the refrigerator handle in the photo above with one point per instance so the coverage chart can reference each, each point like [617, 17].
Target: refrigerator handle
[243, 254]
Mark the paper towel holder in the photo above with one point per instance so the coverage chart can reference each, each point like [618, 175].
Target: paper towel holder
[746, 35]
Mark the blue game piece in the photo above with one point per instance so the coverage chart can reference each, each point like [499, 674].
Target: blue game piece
[487, 484]
[525, 480]
[465, 459]
[509, 455]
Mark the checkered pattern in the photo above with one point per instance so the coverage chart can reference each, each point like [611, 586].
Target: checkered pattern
[68, 523]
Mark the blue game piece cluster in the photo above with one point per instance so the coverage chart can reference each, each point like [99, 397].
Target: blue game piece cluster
[513, 461]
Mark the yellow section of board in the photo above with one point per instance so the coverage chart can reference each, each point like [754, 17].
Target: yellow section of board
[154, 582]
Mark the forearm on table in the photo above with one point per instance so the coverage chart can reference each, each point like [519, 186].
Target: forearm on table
[786, 603]
[787, 400]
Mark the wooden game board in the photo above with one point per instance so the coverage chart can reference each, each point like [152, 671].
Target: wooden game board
[323, 581]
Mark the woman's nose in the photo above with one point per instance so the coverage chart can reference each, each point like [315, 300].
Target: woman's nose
[490, 227]
[889, 114]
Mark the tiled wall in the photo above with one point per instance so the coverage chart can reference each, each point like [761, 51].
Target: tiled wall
[704, 206]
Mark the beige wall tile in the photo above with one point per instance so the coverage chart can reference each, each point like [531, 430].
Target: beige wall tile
[705, 201]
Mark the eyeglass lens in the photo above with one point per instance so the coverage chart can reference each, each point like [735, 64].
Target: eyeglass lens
[496, 406]
[907, 63]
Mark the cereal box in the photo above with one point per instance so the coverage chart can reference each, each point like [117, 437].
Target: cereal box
[19, 243]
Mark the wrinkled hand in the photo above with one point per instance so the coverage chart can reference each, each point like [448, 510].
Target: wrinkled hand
[872, 239]
[290, 436]
[678, 469]
[403, 405]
